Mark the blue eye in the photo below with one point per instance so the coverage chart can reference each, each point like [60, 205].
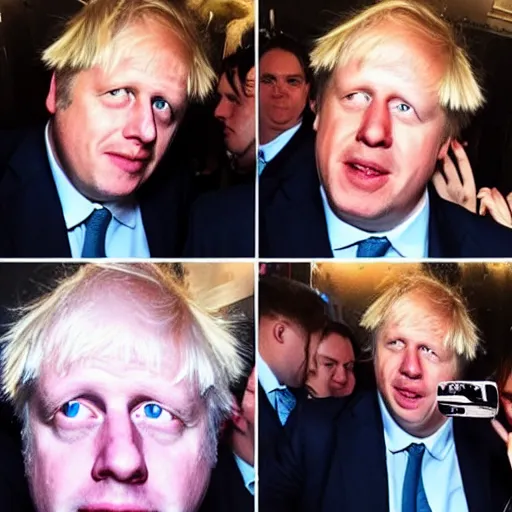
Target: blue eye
[70, 409]
[402, 107]
[160, 104]
[153, 411]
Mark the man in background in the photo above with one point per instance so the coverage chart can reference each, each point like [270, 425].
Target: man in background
[291, 319]
[333, 371]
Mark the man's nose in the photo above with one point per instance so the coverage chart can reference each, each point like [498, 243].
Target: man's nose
[120, 451]
[340, 375]
[376, 129]
[141, 122]
[278, 89]
[411, 364]
[222, 110]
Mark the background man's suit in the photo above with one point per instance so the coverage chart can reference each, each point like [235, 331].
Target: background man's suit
[293, 225]
[32, 224]
[336, 460]
[227, 492]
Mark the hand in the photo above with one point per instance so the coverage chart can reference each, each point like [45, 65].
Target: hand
[491, 201]
[506, 436]
[449, 184]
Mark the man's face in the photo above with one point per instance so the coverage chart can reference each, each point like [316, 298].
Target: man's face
[283, 91]
[294, 354]
[380, 131]
[120, 121]
[334, 374]
[113, 436]
[248, 404]
[506, 399]
[410, 361]
[235, 111]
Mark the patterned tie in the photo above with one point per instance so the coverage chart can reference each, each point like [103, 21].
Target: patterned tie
[285, 404]
[414, 498]
[95, 229]
[261, 162]
[373, 247]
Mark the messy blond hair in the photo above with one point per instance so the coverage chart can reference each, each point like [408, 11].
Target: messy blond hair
[88, 40]
[459, 92]
[62, 329]
[462, 334]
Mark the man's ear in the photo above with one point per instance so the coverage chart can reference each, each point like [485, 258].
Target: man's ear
[443, 150]
[238, 419]
[278, 331]
[51, 99]
[317, 117]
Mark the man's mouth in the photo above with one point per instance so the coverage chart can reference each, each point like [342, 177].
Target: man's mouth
[407, 398]
[128, 163]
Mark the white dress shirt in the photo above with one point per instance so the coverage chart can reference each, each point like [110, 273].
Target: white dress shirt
[408, 240]
[439, 469]
[272, 148]
[268, 381]
[125, 235]
[247, 472]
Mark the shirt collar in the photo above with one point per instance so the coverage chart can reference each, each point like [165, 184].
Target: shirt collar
[438, 444]
[409, 239]
[272, 148]
[76, 207]
[247, 472]
[266, 377]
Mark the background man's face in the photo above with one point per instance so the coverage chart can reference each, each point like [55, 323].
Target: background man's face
[249, 405]
[111, 435]
[380, 130]
[334, 374]
[506, 399]
[283, 90]
[410, 361]
[120, 121]
[235, 111]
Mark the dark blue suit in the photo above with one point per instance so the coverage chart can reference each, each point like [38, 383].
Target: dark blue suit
[32, 223]
[334, 458]
[293, 225]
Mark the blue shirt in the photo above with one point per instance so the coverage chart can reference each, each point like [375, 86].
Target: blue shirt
[408, 240]
[272, 148]
[268, 381]
[125, 235]
[440, 467]
[247, 472]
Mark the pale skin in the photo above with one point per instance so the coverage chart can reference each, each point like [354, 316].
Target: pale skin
[120, 121]
[242, 439]
[235, 111]
[410, 361]
[460, 188]
[380, 131]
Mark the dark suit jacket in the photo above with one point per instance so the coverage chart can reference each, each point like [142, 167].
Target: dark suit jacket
[335, 459]
[31, 220]
[222, 224]
[293, 225]
[270, 428]
[227, 492]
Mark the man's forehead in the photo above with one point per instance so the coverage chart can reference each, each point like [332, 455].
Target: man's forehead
[279, 61]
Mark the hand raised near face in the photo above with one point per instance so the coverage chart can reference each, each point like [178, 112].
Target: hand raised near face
[506, 436]
[492, 202]
[459, 189]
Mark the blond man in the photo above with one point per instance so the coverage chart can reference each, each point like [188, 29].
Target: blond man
[123, 73]
[121, 382]
[393, 89]
[391, 449]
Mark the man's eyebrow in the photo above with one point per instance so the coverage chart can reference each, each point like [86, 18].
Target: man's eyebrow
[330, 359]
[507, 395]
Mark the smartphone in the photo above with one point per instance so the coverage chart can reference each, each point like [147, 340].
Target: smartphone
[469, 399]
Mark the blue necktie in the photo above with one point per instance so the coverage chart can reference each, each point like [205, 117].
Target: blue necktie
[414, 498]
[95, 230]
[285, 404]
[261, 162]
[373, 247]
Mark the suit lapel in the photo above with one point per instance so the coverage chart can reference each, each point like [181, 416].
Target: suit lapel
[358, 474]
[292, 217]
[35, 221]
